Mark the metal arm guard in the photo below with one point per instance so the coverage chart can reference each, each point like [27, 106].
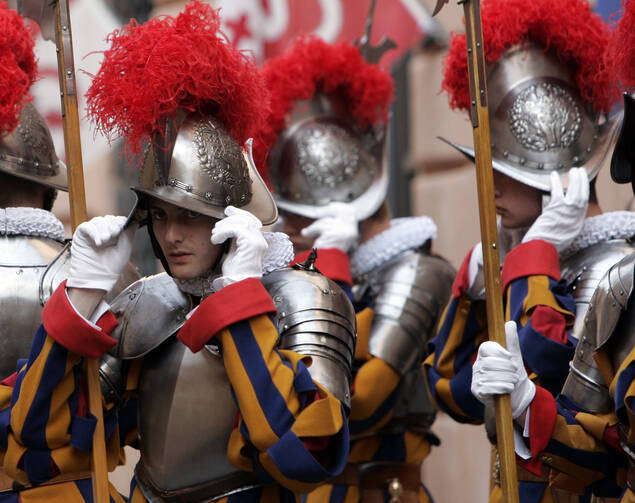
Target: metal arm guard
[610, 323]
[31, 268]
[316, 318]
[409, 293]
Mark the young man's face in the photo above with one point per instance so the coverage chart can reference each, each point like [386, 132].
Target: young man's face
[518, 204]
[292, 225]
[184, 238]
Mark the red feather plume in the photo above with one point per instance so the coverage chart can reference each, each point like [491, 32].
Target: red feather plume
[18, 68]
[567, 27]
[621, 51]
[168, 63]
[311, 66]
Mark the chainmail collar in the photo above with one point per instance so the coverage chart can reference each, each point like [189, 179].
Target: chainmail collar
[600, 228]
[404, 234]
[36, 222]
[279, 255]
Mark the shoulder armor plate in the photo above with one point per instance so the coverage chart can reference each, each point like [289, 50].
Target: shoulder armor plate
[149, 311]
[30, 269]
[315, 317]
[408, 294]
[601, 324]
[584, 270]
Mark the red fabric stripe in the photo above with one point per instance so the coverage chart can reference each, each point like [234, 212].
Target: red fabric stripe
[236, 302]
[549, 323]
[331, 262]
[542, 420]
[611, 437]
[533, 258]
[462, 280]
[69, 329]
[10, 381]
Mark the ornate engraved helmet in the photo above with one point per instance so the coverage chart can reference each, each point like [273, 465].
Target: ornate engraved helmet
[620, 56]
[186, 102]
[548, 96]
[327, 128]
[26, 146]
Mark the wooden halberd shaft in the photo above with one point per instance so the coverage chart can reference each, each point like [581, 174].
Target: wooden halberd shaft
[489, 235]
[77, 200]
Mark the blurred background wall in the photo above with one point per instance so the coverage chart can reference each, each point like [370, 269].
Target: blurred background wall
[428, 177]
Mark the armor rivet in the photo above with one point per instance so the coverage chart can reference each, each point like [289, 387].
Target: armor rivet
[576, 159]
[505, 154]
[614, 304]
[469, 50]
[132, 296]
[189, 188]
[588, 149]
[595, 137]
[473, 103]
[283, 314]
[574, 288]
[285, 327]
[621, 292]
[68, 73]
[325, 291]
[64, 28]
[582, 352]
[208, 195]
[522, 160]
[494, 245]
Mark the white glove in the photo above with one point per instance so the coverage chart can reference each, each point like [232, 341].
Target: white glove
[99, 251]
[562, 219]
[338, 229]
[499, 371]
[247, 250]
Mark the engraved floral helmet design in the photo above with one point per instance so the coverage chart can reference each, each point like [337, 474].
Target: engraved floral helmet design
[548, 96]
[327, 128]
[26, 146]
[187, 104]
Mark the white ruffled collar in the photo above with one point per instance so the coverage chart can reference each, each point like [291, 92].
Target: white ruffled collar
[279, 255]
[604, 227]
[404, 234]
[36, 222]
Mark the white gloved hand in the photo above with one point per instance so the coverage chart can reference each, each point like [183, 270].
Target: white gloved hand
[475, 272]
[99, 252]
[562, 219]
[499, 371]
[247, 249]
[337, 229]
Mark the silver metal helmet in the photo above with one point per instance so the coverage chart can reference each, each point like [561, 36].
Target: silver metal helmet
[199, 166]
[28, 152]
[539, 123]
[322, 157]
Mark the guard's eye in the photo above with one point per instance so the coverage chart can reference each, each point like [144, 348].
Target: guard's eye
[192, 214]
[157, 214]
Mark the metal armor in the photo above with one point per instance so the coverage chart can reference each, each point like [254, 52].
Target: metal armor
[30, 270]
[322, 157]
[28, 152]
[609, 323]
[539, 123]
[183, 432]
[316, 318]
[408, 294]
[199, 166]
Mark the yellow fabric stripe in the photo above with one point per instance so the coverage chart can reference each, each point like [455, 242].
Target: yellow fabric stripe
[538, 294]
[322, 418]
[417, 447]
[234, 452]
[59, 413]
[374, 383]
[364, 449]
[364, 321]
[445, 365]
[266, 335]
[445, 393]
[65, 492]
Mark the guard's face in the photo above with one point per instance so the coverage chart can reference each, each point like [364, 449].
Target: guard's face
[291, 225]
[184, 238]
[517, 204]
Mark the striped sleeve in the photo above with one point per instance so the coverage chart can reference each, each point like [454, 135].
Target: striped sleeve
[50, 426]
[297, 428]
[536, 298]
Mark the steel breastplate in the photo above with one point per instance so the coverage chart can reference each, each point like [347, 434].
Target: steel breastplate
[30, 270]
[407, 294]
[186, 416]
[609, 321]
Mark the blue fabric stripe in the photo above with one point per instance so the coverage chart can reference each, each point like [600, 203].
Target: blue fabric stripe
[548, 358]
[460, 387]
[85, 487]
[531, 492]
[36, 349]
[597, 461]
[9, 497]
[270, 401]
[517, 291]
[624, 381]
[37, 465]
[391, 448]
[338, 493]
[296, 462]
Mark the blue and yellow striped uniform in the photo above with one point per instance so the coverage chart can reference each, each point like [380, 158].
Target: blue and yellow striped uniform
[291, 432]
[536, 298]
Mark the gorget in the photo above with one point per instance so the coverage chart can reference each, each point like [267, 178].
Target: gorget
[279, 255]
[600, 228]
[34, 222]
[404, 234]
